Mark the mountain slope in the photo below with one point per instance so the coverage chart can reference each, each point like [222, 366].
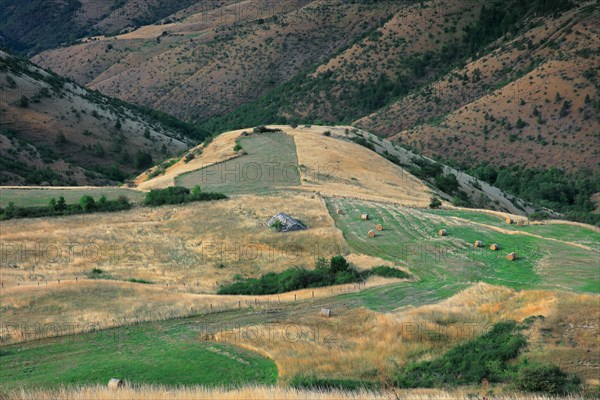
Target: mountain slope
[207, 63]
[53, 131]
[531, 101]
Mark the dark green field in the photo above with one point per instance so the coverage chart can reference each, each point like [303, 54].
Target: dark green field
[41, 196]
[169, 353]
[271, 163]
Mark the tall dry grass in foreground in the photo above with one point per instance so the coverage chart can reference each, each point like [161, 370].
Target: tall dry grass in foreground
[29, 313]
[364, 344]
[199, 245]
[248, 393]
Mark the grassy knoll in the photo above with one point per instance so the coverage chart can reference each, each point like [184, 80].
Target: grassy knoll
[271, 162]
[169, 354]
[36, 197]
[445, 263]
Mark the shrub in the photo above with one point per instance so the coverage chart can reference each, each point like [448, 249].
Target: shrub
[389, 272]
[545, 378]
[435, 203]
[339, 264]
[23, 102]
[60, 138]
[87, 203]
[142, 159]
[315, 383]
[447, 183]
[179, 195]
[487, 357]
[337, 272]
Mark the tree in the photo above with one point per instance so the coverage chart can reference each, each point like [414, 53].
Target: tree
[9, 211]
[98, 150]
[61, 204]
[52, 204]
[23, 102]
[118, 124]
[87, 203]
[546, 378]
[447, 183]
[60, 138]
[142, 159]
[147, 133]
[338, 264]
[435, 203]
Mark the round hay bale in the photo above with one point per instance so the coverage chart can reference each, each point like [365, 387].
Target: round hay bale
[520, 222]
[340, 211]
[371, 233]
[478, 243]
[115, 384]
[511, 256]
[495, 247]
[379, 227]
[364, 217]
[326, 312]
[509, 220]
[443, 232]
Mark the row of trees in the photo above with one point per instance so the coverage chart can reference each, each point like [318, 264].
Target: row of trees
[86, 204]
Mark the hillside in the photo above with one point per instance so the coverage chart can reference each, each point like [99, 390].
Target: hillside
[531, 100]
[145, 285]
[43, 24]
[55, 132]
[332, 161]
[507, 92]
[209, 62]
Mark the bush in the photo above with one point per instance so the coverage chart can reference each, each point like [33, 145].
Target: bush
[315, 383]
[338, 272]
[389, 272]
[23, 102]
[447, 183]
[435, 203]
[142, 159]
[487, 357]
[545, 378]
[86, 204]
[179, 195]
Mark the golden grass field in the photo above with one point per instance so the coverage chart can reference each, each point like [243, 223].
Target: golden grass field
[253, 393]
[352, 343]
[200, 245]
[220, 149]
[74, 307]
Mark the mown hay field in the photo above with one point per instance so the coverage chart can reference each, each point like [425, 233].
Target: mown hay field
[410, 238]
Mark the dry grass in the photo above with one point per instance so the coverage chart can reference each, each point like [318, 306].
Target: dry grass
[352, 342]
[74, 307]
[200, 245]
[219, 150]
[338, 167]
[248, 393]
